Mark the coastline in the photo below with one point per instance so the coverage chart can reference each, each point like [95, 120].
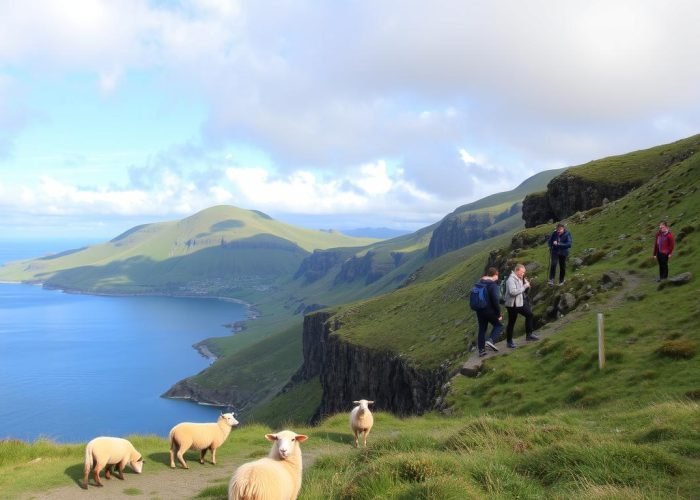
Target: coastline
[202, 347]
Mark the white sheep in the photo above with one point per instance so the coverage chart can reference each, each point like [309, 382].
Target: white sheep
[361, 420]
[275, 477]
[108, 451]
[202, 437]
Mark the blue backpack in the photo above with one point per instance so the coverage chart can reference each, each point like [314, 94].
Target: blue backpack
[478, 298]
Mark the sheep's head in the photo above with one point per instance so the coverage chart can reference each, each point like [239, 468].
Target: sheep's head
[285, 442]
[229, 419]
[137, 465]
[364, 404]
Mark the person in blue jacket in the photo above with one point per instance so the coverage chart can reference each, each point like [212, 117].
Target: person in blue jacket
[491, 314]
[559, 245]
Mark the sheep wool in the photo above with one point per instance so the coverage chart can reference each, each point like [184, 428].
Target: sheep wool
[275, 477]
[203, 437]
[106, 452]
[361, 420]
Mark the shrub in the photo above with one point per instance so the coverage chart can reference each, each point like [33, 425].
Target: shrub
[678, 349]
[416, 471]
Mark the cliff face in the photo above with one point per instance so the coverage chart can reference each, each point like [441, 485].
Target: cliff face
[348, 372]
[459, 230]
[317, 265]
[567, 194]
[455, 232]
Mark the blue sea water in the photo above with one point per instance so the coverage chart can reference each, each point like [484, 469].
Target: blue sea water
[73, 367]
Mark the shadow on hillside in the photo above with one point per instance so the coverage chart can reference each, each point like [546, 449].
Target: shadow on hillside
[164, 458]
[337, 437]
[75, 472]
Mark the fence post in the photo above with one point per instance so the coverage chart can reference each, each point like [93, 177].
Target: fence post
[601, 342]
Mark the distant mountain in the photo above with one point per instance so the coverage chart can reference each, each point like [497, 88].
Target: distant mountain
[382, 233]
[222, 247]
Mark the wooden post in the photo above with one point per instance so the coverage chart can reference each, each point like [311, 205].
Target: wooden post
[601, 342]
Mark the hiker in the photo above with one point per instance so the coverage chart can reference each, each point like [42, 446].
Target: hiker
[559, 244]
[516, 301]
[491, 313]
[664, 243]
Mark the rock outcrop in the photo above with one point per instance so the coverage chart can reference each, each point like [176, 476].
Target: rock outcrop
[317, 265]
[567, 194]
[349, 372]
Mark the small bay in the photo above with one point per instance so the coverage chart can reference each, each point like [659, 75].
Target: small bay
[74, 366]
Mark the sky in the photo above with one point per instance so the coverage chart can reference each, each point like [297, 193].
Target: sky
[324, 114]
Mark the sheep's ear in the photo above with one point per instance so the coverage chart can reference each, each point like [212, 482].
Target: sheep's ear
[370, 402]
[301, 438]
[271, 437]
[356, 402]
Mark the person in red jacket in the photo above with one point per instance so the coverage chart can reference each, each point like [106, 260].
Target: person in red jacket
[664, 243]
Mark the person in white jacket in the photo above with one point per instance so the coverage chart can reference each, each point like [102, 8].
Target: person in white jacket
[516, 302]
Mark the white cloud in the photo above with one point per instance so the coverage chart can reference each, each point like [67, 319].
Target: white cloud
[367, 105]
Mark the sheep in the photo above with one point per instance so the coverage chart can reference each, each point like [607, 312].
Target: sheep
[277, 476]
[361, 419]
[202, 437]
[108, 451]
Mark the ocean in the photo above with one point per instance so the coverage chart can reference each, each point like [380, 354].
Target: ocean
[73, 367]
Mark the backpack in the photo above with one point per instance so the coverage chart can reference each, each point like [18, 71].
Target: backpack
[478, 298]
[503, 289]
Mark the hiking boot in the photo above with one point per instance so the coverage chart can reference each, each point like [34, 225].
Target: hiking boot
[550, 282]
[562, 282]
[491, 345]
[512, 345]
[482, 353]
[532, 336]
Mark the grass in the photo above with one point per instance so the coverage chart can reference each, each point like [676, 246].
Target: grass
[541, 422]
[623, 452]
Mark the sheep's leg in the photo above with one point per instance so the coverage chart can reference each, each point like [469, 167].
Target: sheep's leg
[85, 478]
[108, 471]
[96, 473]
[120, 470]
[172, 456]
[366, 433]
[201, 455]
[213, 455]
[181, 458]
[356, 442]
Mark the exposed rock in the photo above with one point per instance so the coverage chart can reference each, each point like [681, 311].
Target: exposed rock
[611, 279]
[349, 372]
[567, 194]
[566, 303]
[368, 267]
[457, 231]
[317, 265]
[679, 279]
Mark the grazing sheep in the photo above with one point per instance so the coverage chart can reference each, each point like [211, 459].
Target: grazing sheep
[202, 437]
[108, 451]
[361, 419]
[277, 476]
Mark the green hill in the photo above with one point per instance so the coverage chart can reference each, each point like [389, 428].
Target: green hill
[541, 421]
[218, 250]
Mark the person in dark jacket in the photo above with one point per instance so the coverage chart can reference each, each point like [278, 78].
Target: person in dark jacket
[559, 245]
[664, 243]
[491, 314]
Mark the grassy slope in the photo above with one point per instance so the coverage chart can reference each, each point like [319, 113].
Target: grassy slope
[542, 422]
[146, 254]
[638, 166]
[279, 305]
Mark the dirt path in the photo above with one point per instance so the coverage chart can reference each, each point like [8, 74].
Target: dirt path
[164, 484]
[158, 481]
[474, 364]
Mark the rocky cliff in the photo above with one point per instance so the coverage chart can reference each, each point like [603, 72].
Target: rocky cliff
[349, 372]
[568, 194]
[458, 230]
[317, 265]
